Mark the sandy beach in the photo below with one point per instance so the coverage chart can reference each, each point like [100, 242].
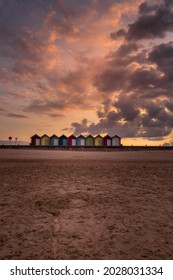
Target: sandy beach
[86, 205]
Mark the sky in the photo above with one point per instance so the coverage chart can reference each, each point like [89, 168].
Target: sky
[87, 66]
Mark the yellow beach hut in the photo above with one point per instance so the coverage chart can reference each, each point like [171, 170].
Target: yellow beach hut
[44, 140]
[98, 140]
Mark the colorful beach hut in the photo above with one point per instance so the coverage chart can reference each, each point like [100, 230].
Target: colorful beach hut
[80, 141]
[89, 140]
[54, 140]
[44, 140]
[35, 140]
[63, 140]
[98, 140]
[116, 141]
[107, 140]
[72, 140]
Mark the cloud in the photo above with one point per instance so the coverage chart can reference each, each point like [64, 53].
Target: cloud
[129, 122]
[154, 21]
[12, 115]
[162, 56]
[144, 8]
[129, 91]
[84, 55]
[56, 115]
[3, 110]
[118, 34]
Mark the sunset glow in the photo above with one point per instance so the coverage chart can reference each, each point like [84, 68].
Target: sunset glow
[87, 66]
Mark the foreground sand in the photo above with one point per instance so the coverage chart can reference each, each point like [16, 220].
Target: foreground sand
[86, 205]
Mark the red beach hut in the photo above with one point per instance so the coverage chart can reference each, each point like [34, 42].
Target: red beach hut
[72, 140]
[107, 140]
[35, 140]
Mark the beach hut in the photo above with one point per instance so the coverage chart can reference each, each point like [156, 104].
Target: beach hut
[80, 140]
[89, 140]
[63, 140]
[98, 140]
[107, 140]
[44, 140]
[54, 140]
[35, 140]
[116, 141]
[72, 140]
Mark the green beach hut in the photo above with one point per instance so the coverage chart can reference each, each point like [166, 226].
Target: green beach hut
[89, 140]
[54, 140]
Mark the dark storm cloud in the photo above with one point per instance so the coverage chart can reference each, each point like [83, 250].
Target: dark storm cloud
[126, 49]
[44, 106]
[169, 105]
[110, 80]
[135, 114]
[20, 116]
[162, 56]
[118, 34]
[145, 8]
[126, 106]
[155, 25]
[156, 123]
[117, 75]
[154, 21]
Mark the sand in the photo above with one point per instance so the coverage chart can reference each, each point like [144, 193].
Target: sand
[86, 205]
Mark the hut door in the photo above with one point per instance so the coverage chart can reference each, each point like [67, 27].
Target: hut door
[108, 142]
[73, 142]
[82, 142]
[37, 142]
[55, 142]
[115, 142]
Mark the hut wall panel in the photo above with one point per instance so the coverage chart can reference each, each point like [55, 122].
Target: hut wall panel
[108, 142]
[89, 142]
[80, 142]
[37, 142]
[64, 142]
[98, 142]
[115, 142]
[55, 142]
[47, 141]
[73, 142]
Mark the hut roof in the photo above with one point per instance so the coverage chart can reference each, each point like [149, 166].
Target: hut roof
[98, 136]
[90, 136]
[107, 136]
[44, 135]
[72, 136]
[54, 135]
[81, 136]
[35, 136]
[63, 136]
[116, 136]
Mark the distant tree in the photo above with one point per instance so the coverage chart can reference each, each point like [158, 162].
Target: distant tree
[9, 138]
[16, 140]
